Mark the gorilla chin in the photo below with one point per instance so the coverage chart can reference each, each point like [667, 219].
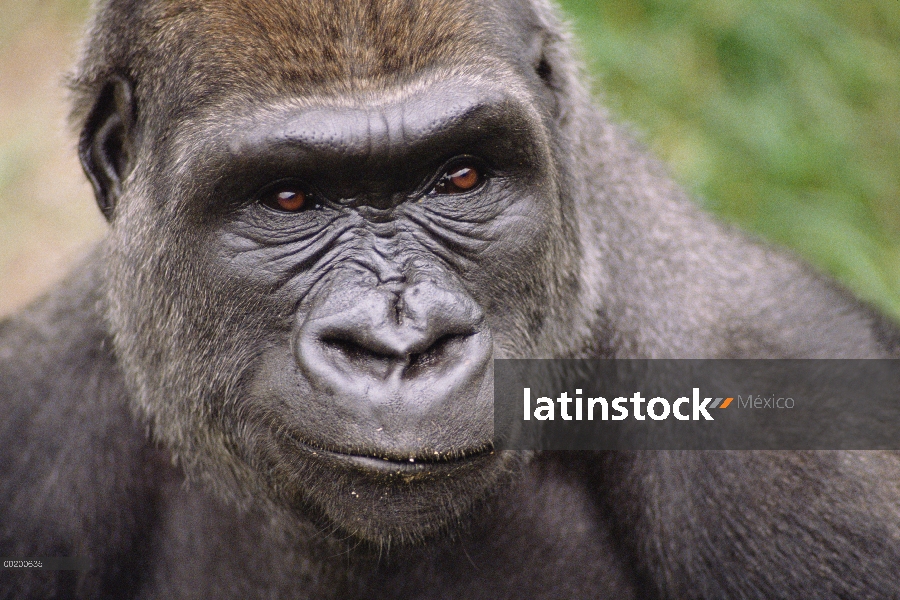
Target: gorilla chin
[387, 502]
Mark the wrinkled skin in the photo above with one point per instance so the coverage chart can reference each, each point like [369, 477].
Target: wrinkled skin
[274, 376]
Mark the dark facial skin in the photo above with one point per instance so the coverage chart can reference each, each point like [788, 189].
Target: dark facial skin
[366, 259]
[384, 367]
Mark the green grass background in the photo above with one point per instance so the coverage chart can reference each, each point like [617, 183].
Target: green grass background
[782, 117]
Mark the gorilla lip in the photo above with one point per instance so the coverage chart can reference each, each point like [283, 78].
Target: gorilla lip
[412, 465]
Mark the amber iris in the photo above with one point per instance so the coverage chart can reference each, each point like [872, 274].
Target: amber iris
[458, 181]
[288, 200]
[465, 178]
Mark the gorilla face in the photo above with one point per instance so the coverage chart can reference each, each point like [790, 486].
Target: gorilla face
[307, 293]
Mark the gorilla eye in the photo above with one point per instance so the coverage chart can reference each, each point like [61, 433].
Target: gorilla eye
[285, 199]
[459, 180]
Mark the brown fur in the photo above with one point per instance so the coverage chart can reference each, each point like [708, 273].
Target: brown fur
[249, 49]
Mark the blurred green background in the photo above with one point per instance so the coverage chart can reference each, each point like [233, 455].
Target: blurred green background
[783, 117]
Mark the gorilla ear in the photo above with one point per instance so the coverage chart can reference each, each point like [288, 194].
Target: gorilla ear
[544, 70]
[106, 145]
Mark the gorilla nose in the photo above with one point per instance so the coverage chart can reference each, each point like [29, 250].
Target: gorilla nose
[396, 356]
[385, 334]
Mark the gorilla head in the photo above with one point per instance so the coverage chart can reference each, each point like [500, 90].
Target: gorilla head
[326, 220]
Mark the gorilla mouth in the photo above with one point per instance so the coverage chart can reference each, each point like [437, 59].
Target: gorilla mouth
[388, 462]
[412, 465]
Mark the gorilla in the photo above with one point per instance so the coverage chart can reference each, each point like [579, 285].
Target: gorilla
[273, 377]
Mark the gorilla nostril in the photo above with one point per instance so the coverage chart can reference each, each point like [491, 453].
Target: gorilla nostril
[359, 357]
[353, 350]
[442, 349]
